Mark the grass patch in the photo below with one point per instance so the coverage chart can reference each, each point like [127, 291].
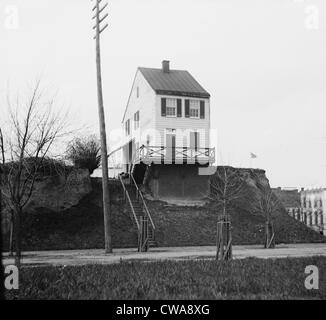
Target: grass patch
[197, 279]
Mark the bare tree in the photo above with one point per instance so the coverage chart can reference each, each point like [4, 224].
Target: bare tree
[35, 127]
[227, 190]
[267, 204]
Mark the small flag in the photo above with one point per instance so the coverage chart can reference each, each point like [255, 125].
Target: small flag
[253, 156]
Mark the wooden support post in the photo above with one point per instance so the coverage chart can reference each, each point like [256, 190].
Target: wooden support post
[224, 238]
[269, 235]
[143, 235]
[140, 238]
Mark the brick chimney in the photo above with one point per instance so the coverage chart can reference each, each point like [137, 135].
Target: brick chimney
[166, 66]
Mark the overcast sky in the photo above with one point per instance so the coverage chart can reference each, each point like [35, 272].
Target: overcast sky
[263, 62]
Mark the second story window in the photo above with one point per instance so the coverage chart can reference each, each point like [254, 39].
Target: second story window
[194, 108]
[171, 107]
[137, 92]
[136, 120]
[127, 127]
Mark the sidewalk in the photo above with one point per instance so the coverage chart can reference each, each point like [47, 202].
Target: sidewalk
[97, 256]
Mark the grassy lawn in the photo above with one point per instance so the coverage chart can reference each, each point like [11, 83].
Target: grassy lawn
[197, 279]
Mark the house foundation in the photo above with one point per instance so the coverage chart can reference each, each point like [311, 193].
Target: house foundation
[177, 181]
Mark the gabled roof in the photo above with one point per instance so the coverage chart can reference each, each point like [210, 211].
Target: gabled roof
[174, 82]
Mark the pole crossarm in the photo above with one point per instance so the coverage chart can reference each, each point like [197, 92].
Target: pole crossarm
[98, 19]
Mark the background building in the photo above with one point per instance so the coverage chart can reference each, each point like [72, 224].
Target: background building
[306, 205]
[313, 204]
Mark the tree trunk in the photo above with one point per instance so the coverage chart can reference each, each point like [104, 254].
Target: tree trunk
[17, 232]
[228, 239]
[2, 289]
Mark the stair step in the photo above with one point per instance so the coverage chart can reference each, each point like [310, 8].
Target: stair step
[137, 211]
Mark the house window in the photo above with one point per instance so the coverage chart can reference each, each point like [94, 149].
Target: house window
[136, 120]
[137, 92]
[194, 108]
[127, 127]
[171, 107]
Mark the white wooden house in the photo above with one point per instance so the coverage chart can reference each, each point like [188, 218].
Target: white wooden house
[167, 122]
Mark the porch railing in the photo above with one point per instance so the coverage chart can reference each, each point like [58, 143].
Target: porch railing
[161, 154]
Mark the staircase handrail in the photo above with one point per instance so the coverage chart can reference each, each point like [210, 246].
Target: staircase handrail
[130, 203]
[143, 201]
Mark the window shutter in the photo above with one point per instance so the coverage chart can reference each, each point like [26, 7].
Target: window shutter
[163, 107]
[179, 110]
[192, 140]
[202, 109]
[197, 140]
[127, 127]
[187, 111]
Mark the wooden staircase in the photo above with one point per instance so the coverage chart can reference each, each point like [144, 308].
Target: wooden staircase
[139, 213]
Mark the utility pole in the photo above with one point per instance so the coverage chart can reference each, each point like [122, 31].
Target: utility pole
[105, 170]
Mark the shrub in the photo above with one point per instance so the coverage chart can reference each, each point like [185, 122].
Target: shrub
[85, 153]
